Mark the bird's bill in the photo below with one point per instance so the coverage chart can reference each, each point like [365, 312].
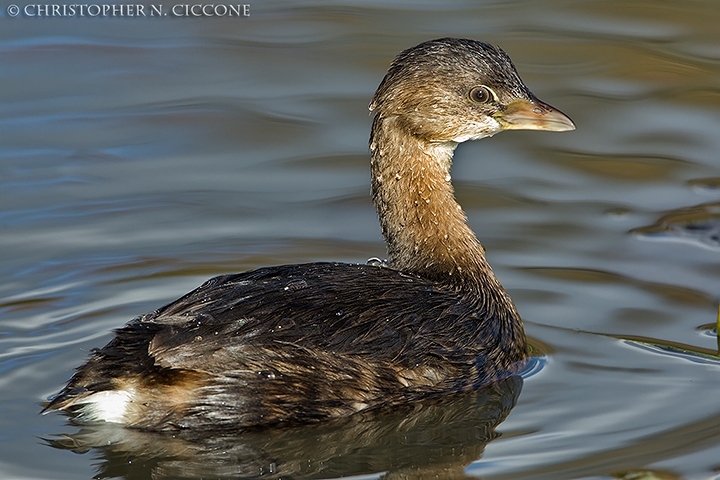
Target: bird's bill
[534, 114]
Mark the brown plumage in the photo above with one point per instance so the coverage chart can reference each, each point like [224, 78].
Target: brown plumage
[302, 343]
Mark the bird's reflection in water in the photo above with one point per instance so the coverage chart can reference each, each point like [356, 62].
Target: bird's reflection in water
[432, 439]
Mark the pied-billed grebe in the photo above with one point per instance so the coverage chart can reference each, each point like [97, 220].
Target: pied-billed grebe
[300, 343]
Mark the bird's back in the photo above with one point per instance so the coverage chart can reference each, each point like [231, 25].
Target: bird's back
[291, 343]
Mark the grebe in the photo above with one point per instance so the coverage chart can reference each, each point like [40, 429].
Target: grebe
[303, 343]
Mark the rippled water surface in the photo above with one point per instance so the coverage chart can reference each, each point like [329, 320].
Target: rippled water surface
[141, 156]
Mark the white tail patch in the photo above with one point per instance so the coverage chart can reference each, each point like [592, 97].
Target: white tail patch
[107, 406]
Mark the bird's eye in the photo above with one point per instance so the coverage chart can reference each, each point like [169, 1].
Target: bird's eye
[482, 94]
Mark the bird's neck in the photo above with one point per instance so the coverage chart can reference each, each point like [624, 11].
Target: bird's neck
[425, 229]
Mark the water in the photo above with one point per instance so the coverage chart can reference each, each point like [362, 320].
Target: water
[141, 156]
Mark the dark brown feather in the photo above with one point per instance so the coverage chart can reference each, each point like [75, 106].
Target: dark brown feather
[299, 343]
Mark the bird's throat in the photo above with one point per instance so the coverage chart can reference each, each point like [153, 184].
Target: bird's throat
[425, 229]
